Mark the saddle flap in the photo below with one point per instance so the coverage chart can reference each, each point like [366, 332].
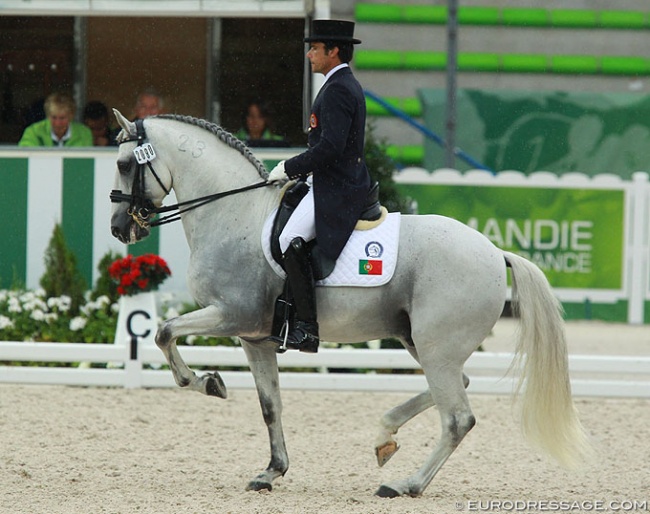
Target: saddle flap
[288, 204]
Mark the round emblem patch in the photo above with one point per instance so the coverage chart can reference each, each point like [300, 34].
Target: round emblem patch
[313, 121]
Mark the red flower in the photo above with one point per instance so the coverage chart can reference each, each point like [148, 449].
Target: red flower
[139, 274]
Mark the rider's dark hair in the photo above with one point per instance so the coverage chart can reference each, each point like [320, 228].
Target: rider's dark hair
[345, 49]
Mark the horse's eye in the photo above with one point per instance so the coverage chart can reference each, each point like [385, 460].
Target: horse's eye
[124, 166]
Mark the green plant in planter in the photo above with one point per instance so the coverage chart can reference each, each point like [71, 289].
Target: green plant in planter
[62, 277]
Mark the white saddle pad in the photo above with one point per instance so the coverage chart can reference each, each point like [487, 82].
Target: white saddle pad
[368, 259]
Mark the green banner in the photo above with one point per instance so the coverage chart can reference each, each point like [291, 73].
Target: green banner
[575, 236]
[13, 230]
[555, 131]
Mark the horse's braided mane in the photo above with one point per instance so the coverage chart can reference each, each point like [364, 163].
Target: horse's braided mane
[223, 135]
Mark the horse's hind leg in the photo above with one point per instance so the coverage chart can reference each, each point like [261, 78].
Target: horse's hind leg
[396, 417]
[264, 366]
[448, 392]
[193, 323]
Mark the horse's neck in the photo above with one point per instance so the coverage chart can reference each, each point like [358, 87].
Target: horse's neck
[234, 217]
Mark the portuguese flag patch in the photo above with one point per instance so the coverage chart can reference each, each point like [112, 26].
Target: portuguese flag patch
[369, 267]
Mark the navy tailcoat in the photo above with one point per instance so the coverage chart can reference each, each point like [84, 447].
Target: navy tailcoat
[335, 158]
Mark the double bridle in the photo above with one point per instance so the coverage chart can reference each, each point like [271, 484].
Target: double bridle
[141, 209]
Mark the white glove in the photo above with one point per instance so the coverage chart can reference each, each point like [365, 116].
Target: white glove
[278, 173]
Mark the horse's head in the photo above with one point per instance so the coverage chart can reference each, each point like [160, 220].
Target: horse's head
[141, 183]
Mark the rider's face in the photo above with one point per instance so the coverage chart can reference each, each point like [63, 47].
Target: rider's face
[322, 61]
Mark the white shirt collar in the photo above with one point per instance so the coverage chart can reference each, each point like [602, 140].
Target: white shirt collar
[65, 137]
[335, 69]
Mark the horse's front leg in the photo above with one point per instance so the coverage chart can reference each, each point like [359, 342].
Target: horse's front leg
[199, 322]
[264, 366]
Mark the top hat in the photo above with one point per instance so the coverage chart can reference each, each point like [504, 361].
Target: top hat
[332, 30]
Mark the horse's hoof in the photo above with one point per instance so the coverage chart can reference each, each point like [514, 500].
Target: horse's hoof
[387, 492]
[256, 485]
[214, 386]
[385, 452]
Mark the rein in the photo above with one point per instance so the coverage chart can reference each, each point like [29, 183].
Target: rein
[198, 202]
[141, 208]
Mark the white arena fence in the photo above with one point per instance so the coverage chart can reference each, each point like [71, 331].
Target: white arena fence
[136, 365]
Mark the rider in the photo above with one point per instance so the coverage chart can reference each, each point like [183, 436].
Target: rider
[335, 159]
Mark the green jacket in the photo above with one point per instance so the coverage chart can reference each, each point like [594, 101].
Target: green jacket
[267, 135]
[40, 134]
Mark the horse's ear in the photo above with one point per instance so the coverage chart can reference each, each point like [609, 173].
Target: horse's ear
[127, 125]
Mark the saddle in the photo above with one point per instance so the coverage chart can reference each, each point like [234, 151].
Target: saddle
[321, 264]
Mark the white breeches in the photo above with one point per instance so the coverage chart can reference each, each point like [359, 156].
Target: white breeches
[302, 222]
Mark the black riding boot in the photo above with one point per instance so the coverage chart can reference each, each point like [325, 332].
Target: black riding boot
[303, 335]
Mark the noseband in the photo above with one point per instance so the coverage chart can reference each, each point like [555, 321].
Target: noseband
[141, 209]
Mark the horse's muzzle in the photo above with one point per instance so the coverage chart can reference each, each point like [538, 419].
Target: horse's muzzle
[128, 232]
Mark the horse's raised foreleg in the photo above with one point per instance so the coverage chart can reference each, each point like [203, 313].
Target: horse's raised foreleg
[396, 417]
[199, 322]
[264, 366]
[447, 388]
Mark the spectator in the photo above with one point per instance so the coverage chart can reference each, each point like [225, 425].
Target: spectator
[58, 127]
[95, 117]
[256, 130]
[148, 103]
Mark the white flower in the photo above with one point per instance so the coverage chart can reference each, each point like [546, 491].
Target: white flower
[103, 301]
[77, 323]
[171, 312]
[27, 296]
[62, 303]
[32, 303]
[14, 305]
[166, 297]
[190, 340]
[37, 315]
[375, 344]
[5, 322]
[51, 317]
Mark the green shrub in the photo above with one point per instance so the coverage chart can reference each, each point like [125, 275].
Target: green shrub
[62, 277]
[381, 168]
[105, 285]
[35, 316]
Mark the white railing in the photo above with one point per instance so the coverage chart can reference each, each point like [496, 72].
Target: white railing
[203, 8]
[131, 367]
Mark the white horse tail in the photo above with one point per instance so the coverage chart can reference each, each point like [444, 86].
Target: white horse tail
[548, 415]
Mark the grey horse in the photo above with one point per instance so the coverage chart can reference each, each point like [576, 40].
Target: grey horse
[448, 291]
